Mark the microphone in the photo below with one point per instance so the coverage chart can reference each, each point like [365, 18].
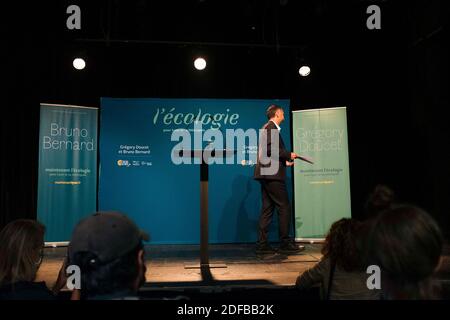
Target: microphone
[304, 159]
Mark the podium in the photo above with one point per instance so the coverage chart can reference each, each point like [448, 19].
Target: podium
[204, 155]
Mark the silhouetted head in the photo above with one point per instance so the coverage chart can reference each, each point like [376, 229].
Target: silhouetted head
[406, 243]
[108, 249]
[381, 198]
[21, 251]
[341, 244]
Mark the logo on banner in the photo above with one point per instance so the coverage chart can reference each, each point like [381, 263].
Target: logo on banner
[123, 163]
[171, 117]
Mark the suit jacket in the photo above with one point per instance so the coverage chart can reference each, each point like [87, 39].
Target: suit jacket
[278, 161]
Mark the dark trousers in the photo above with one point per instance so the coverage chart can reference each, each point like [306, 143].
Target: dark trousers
[274, 196]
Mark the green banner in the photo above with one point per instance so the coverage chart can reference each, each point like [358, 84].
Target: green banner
[322, 189]
[67, 180]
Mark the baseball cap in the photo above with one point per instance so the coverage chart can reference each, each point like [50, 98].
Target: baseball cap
[109, 235]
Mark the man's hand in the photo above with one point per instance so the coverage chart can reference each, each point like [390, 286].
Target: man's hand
[289, 163]
[293, 155]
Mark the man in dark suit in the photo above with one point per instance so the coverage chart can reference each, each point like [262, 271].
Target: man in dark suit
[270, 171]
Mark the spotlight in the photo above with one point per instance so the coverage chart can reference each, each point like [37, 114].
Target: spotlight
[304, 71]
[79, 63]
[200, 63]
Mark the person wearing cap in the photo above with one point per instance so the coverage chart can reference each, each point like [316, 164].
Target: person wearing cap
[273, 184]
[108, 249]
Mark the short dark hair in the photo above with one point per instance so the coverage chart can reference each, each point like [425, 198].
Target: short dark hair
[270, 112]
[105, 278]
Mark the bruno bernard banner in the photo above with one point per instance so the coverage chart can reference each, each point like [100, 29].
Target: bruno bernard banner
[67, 179]
[139, 177]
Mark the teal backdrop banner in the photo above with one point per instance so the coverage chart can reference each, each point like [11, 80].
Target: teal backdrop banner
[138, 176]
[67, 179]
[322, 190]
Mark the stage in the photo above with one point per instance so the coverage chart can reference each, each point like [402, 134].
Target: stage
[236, 272]
[232, 265]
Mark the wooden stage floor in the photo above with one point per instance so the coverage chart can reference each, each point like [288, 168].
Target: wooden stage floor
[171, 265]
